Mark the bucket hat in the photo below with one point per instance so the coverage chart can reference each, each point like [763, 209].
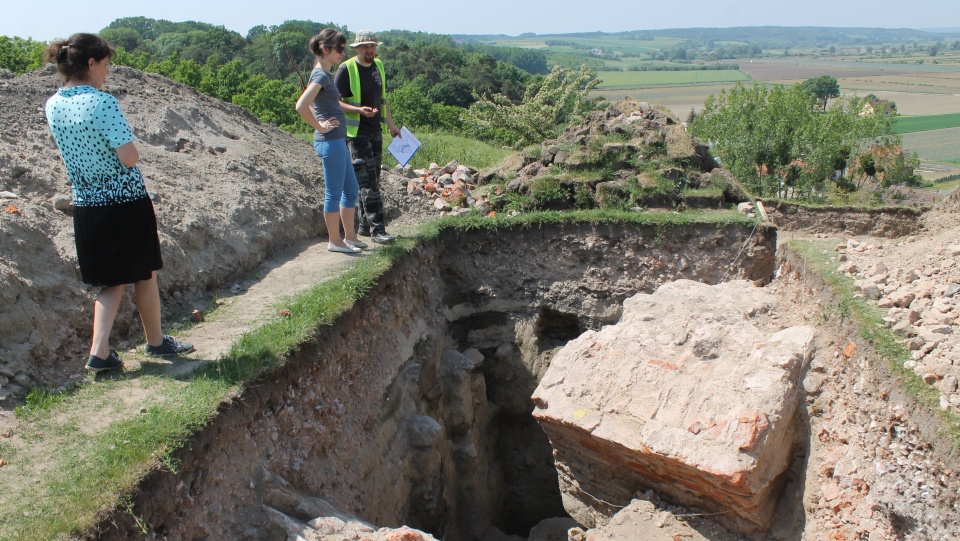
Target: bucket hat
[365, 37]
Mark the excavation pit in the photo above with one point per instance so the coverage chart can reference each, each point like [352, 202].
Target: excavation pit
[414, 407]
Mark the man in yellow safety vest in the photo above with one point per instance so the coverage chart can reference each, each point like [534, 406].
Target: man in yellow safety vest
[363, 97]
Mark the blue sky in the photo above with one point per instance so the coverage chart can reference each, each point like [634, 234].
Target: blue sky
[60, 18]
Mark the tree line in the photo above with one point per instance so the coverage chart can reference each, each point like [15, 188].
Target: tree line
[433, 81]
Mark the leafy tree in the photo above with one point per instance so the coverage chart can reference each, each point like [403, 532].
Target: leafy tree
[529, 60]
[823, 87]
[124, 58]
[411, 107]
[166, 68]
[557, 99]
[144, 27]
[779, 144]
[20, 55]
[226, 81]
[271, 101]
[454, 91]
[167, 46]
[128, 38]
[753, 131]
[188, 72]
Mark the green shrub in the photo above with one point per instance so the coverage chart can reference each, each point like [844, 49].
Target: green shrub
[548, 192]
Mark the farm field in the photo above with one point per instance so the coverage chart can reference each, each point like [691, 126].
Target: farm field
[678, 99]
[940, 146]
[910, 124]
[613, 80]
[579, 43]
[915, 92]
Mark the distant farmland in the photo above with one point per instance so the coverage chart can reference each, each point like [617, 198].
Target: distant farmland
[935, 145]
[911, 124]
[626, 80]
[926, 89]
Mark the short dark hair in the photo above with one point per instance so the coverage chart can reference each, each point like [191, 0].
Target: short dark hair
[328, 37]
[73, 55]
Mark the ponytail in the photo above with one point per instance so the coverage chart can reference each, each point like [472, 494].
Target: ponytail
[73, 55]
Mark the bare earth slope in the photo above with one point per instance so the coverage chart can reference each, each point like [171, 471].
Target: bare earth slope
[228, 190]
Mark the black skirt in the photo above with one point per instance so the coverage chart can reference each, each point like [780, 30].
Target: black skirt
[117, 244]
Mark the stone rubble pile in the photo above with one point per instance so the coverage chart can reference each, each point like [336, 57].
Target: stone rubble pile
[875, 471]
[449, 188]
[616, 141]
[923, 306]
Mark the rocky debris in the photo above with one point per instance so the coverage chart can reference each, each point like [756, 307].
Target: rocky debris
[878, 467]
[690, 394]
[448, 189]
[631, 142]
[922, 304]
[944, 216]
[308, 518]
[552, 529]
[649, 519]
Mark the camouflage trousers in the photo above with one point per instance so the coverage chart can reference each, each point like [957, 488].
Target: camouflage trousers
[366, 154]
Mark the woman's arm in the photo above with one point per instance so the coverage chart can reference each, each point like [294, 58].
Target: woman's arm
[305, 110]
[128, 154]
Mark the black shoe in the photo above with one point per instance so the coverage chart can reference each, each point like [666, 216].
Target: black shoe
[169, 346]
[382, 238]
[97, 365]
[363, 232]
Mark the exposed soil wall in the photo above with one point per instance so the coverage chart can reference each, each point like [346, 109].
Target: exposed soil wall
[382, 417]
[877, 222]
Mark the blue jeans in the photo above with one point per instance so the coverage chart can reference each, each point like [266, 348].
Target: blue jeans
[338, 176]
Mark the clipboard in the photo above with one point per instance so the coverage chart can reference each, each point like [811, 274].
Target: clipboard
[404, 146]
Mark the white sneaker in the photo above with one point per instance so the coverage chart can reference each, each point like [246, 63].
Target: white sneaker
[331, 247]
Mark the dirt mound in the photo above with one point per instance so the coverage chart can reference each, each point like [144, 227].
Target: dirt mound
[228, 189]
[945, 214]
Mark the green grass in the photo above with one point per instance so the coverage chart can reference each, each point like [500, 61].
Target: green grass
[88, 474]
[949, 182]
[647, 79]
[911, 124]
[441, 148]
[869, 319]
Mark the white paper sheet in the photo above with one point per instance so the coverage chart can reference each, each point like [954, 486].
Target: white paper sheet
[404, 146]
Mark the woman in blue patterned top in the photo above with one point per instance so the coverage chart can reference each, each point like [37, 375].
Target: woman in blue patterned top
[319, 106]
[114, 223]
